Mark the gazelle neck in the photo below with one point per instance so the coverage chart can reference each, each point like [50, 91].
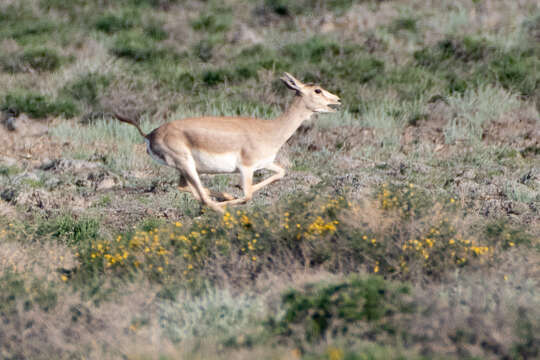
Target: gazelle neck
[287, 123]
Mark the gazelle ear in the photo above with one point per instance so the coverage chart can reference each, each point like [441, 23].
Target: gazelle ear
[291, 82]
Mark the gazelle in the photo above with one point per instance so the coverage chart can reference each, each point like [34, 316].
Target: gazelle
[213, 145]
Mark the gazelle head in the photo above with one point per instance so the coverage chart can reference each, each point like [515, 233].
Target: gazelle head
[314, 97]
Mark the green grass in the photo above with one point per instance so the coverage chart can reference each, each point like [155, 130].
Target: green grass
[70, 230]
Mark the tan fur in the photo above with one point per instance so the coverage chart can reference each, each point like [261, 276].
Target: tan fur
[233, 144]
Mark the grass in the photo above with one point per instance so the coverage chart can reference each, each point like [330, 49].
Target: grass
[474, 110]
[405, 227]
[37, 105]
[70, 230]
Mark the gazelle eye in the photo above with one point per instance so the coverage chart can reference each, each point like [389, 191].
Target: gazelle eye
[318, 91]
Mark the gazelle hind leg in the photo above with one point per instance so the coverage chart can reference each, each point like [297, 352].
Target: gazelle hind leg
[194, 182]
[184, 186]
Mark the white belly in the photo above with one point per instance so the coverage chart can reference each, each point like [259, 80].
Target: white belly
[262, 163]
[209, 163]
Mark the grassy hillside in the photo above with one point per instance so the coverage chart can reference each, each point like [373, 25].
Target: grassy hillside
[407, 225]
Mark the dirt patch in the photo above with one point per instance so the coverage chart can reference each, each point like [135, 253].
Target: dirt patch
[521, 130]
[27, 141]
[344, 138]
[429, 129]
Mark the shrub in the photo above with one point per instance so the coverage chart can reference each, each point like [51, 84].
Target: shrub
[470, 62]
[28, 28]
[18, 290]
[39, 59]
[313, 50]
[86, 88]
[290, 7]
[151, 224]
[159, 4]
[418, 236]
[253, 240]
[514, 70]
[69, 6]
[322, 310]
[215, 77]
[111, 23]
[203, 50]
[155, 31]
[37, 106]
[212, 23]
[139, 48]
[184, 81]
[502, 233]
[359, 70]
[404, 23]
[450, 49]
[410, 82]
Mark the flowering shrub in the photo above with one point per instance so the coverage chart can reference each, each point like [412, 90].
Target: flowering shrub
[251, 239]
[413, 234]
[399, 233]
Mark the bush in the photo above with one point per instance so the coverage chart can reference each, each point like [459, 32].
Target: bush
[324, 310]
[212, 23]
[215, 77]
[291, 7]
[86, 88]
[359, 70]
[61, 5]
[450, 49]
[184, 81]
[249, 240]
[404, 23]
[25, 30]
[139, 48]
[469, 62]
[515, 71]
[159, 4]
[151, 224]
[155, 31]
[17, 291]
[203, 50]
[40, 59]
[418, 236]
[37, 106]
[313, 50]
[502, 233]
[111, 23]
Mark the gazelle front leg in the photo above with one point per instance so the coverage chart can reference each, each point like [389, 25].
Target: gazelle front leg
[279, 173]
[247, 183]
[247, 186]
